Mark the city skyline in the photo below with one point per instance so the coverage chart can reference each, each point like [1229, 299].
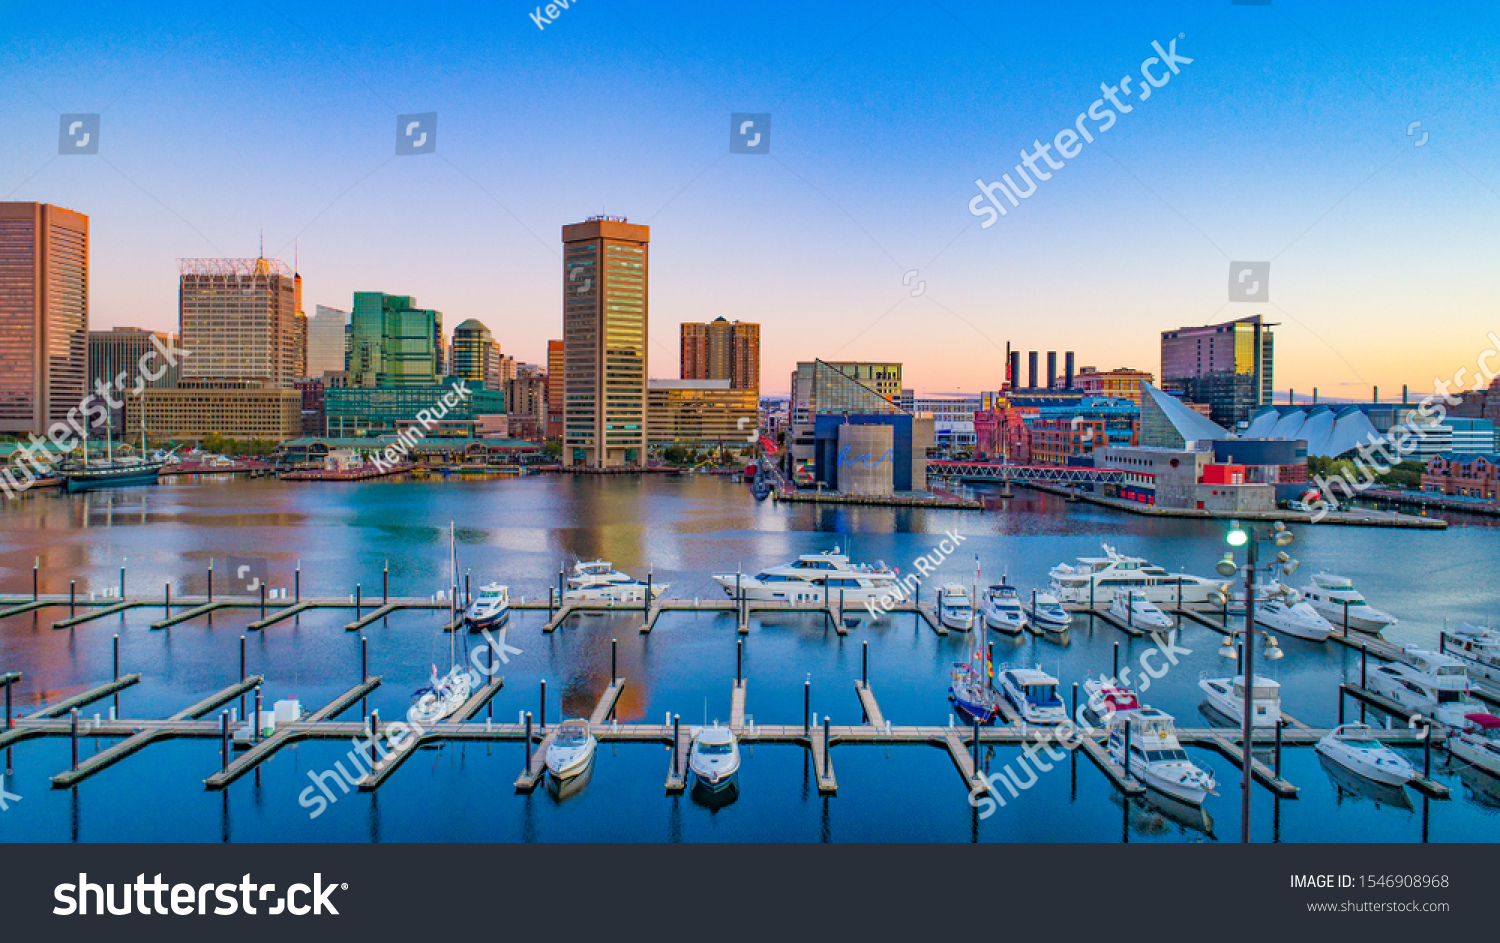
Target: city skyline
[1285, 140]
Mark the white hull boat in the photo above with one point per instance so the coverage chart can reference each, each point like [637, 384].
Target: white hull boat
[1478, 743]
[817, 578]
[1002, 609]
[1033, 693]
[715, 757]
[1477, 648]
[1156, 757]
[1352, 747]
[440, 699]
[955, 607]
[1432, 684]
[1134, 609]
[1096, 580]
[572, 749]
[1227, 696]
[1332, 595]
[492, 608]
[1282, 610]
[1047, 613]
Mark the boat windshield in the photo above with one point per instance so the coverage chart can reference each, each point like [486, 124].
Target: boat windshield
[1450, 697]
[1357, 735]
[1043, 695]
[1161, 756]
[715, 749]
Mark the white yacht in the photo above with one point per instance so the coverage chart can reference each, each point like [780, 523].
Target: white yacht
[492, 608]
[955, 607]
[714, 757]
[1096, 579]
[1434, 685]
[595, 571]
[1283, 609]
[1107, 698]
[1002, 609]
[1134, 609]
[1156, 757]
[1352, 747]
[1330, 595]
[816, 578]
[1478, 743]
[599, 581]
[1047, 613]
[1477, 648]
[571, 749]
[1034, 694]
[1227, 696]
[442, 697]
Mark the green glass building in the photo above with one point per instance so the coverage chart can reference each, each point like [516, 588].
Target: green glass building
[356, 412]
[393, 343]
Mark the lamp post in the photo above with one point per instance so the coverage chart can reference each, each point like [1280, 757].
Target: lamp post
[1250, 539]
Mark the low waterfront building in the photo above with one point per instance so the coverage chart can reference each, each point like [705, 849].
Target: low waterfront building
[123, 350]
[317, 449]
[1167, 423]
[877, 454]
[1328, 432]
[700, 413]
[1120, 383]
[1186, 479]
[1464, 475]
[376, 411]
[197, 410]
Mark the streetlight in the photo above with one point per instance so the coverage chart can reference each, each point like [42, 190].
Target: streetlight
[1250, 539]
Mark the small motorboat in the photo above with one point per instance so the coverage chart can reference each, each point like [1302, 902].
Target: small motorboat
[714, 757]
[1477, 648]
[1478, 742]
[973, 691]
[571, 750]
[1048, 613]
[1156, 757]
[1107, 698]
[1353, 747]
[1002, 609]
[492, 608]
[955, 607]
[1351, 785]
[1134, 609]
[1033, 692]
[442, 697]
[1227, 696]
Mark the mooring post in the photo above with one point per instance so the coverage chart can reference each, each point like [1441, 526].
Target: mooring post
[646, 604]
[1091, 596]
[117, 672]
[827, 743]
[210, 580]
[35, 567]
[1346, 617]
[73, 716]
[676, 739]
[1074, 715]
[559, 581]
[224, 739]
[1341, 705]
[1125, 757]
[385, 584]
[263, 600]
[1278, 749]
[864, 666]
[9, 723]
[364, 658]
[1179, 593]
[256, 726]
[1364, 662]
[297, 583]
[1427, 751]
[841, 606]
[1116, 673]
[72, 596]
[528, 741]
[166, 606]
[807, 706]
[976, 747]
[242, 674]
[542, 717]
[739, 660]
[468, 590]
[122, 583]
[358, 601]
[614, 649]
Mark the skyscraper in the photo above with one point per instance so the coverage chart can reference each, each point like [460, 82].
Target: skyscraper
[556, 372]
[394, 343]
[121, 350]
[239, 321]
[1226, 366]
[327, 335]
[44, 314]
[299, 327]
[721, 350]
[605, 319]
[475, 354]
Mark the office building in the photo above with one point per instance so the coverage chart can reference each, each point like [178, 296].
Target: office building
[744, 367]
[361, 412]
[238, 318]
[394, 343]
[1464, 475]
[526, 402]
[722, 350]
[476, 356]
[606, 289]
[123, 351]
[822, 386]
[556, 375]
[1119, 383]
[44, 314]
[700, 413]
[327, 338]
[1228, 367]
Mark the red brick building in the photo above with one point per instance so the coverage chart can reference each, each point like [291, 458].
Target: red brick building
[1464, 475]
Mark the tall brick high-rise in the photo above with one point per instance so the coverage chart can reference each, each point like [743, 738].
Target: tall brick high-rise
[44, 314]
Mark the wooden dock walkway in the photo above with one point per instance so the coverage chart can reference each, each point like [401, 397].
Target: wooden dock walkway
[828, 783]
[677, 768]
[963, 758]
[606, 705]
[873, 716]
[1116, 773]
[87, 697]
[1201, 618]
[279, 616]
[737, 705]
[285, 734]
[96, 614]
[1231, 748]
[192, 613]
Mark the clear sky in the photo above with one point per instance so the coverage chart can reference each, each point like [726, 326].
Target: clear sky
[1285, 140]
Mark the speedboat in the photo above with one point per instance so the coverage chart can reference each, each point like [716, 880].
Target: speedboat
[1333, 595]
[816, 578]
[1351, 785]
[571, 750]
[1095, 580]
[1107, 698]
[1134, 609]
[1034, 694]
[1283, 609]
[1432, 684]
[955, 607]
[1156, 757]
[1048, 613]
[1002, 609]
[442, 697]
[492, 608]
[1478, 743]
[714, 757]
[1478, 649]
[1227, 696]
[1352, 747]
[973, 690]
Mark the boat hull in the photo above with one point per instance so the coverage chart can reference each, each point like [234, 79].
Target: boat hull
[1475, 755]
[93, 481]
[1351, 761]
[570, 762]
[488, 621]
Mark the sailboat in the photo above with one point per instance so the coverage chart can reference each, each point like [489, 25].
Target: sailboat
[448, 692]
[111, 473]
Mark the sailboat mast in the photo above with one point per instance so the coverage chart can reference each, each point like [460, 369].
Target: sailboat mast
[452, 597]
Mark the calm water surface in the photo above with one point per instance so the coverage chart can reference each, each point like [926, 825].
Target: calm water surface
[520, 532]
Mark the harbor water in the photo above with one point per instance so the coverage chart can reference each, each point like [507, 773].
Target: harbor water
[680, 530]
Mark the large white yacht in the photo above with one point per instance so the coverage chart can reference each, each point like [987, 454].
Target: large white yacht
[1477, 648]
[1330, 595]
[1156, 757]
[599, 581]
[815, 578]
[1432, 684]
[1227, 696]
[1282, 608]
[1096, 579]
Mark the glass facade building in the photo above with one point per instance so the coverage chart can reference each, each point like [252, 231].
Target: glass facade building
[359, 412]
[393, 342]
[1227, 367]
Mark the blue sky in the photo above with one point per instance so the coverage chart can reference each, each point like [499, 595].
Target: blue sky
[1284, 140]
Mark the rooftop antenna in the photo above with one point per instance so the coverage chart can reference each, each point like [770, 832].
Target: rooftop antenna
[263, 242]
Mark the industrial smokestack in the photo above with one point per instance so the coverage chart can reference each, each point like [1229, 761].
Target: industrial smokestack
[1068, 369]
[1015, 370]
[1031, 365]
[1051, 369]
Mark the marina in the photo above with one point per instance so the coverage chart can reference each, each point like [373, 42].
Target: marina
[848, 705]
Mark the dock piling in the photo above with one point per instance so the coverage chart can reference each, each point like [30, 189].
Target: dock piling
[1341, 705]
[35, 567]
[807, 706]
[117, 670]
[358, 601]
[543, 715]
[646, 603]
[210, 580]
[528, 740]
[976, 746]
[122, 583]
[1278, 750]
[166, 605]
[364, 658]
[72, 597]
[614, 649]
[242, 673]
[1125, 756]
[224, 739]
[73, 718]
[676, 741]
[263, 600]
[468, 591]
[739, 659]
[9, 720]
[864, 665]
[1074, 715]
[255, 724]
[385, 584]
[1116, 672]
[297, 583]
[827, 738]
[1426, 753]
[1364, 663]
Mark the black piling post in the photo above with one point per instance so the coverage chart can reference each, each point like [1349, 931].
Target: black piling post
[1364, 663]
[827, 744]
[117, 672]
[739, 660]
[1116, 673]
[122, 584]
[166, 606]
[676, 739]
[1427, 752]
[364, 658]
[1341, 705]
[72, 597]
[242, 674]
[528, 741]
[73, 716]
[210, 581]
[1074, 715]
[358, 601]
[385, 584]
[1278, 749]
[864, 666]
[807, 707]
[646, 603]
[9, 722]
[1346, 617]
[263, 600]
[542, 717]
[255, 725]
[297, 583]
[976, 746]
[468, 591]
[35, 584]
[224, 739]
[1126, 755]
[559, 582]
[614, 649]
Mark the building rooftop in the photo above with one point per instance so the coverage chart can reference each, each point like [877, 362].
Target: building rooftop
[1329, 433]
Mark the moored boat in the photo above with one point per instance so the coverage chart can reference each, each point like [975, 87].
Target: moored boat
[815, 578]
[1033, 693]
[1430, 683]
[1002, 608]
[1047, 613]
[1352, 747]
[955, 607]
[571, 750]
[1478, 648]
[1335, 599]
[1095, 580]
[1478, 742]
[492, 608]
[714, 757]
[973, 690]
[1156, 757]
[1227, 696]
[1134, 609]
[1282, 609]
